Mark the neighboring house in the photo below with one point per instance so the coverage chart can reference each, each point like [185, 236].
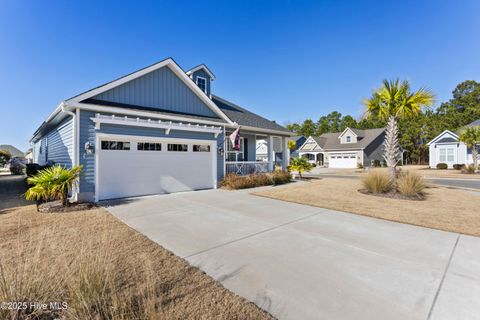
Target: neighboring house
[345, 149]
[445, 148]
[14, 152]
[262, 148]
[29, 156]
[157, 130]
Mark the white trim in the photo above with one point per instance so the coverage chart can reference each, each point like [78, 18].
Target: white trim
[167, 125]
[137, 113]
[167, 62]
[205, 79]
[204, 67]
[441, 134]
[135, 138]
[307, 140]
[266, 131]
[347, 129]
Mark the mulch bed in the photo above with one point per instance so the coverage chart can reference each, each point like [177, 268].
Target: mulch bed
[393, 195]
[57, 207]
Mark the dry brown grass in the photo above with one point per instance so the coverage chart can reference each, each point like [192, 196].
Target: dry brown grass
[444, 209]
[104, 270]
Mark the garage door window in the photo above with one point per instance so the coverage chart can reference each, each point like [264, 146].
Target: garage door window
[201, 148]
[115, 145]
[177, 147]
[147, 146]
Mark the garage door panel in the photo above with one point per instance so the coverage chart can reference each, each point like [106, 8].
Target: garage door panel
[344, 160]
[127, 173]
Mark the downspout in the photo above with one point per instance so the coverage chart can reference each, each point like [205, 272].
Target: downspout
[74, 197]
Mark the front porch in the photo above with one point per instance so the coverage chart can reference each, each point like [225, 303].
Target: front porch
[248, 160]
[316, 158]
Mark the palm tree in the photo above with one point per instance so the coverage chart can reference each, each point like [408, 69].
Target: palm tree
[300, 165]
[53, 183]
[394, 101]
[471, 137]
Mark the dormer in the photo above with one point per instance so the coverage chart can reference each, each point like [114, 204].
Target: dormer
[349, 136]
[203, 77]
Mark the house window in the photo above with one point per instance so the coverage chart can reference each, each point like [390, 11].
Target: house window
[177, 147]
[450, 155]
[115, 145]
[349, 139]
[202, 84]
[443, 155]
[147, 146]
[201, 148]
[234, 155]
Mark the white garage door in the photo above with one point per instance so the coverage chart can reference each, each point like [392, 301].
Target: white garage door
[128, 167]
[343, 160]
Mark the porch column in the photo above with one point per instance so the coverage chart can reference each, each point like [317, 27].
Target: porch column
[286, 154]
[270, 153]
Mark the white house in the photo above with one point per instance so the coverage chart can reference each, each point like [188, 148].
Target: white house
[446, 148]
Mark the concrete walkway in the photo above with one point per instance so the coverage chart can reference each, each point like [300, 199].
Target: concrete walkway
[302, 262]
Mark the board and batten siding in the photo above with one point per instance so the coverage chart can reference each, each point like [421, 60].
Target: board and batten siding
[88, 134]
[56, 146]
[160, 89]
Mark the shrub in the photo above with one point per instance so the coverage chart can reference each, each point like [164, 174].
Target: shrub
[300, 165]
[458, 166]
[5, 157]
[410, 184]
[468, 169]
[280, 177]
[376, 163]
[442, 166]
[233, 181]
[16, 166]
[359, 165]
[53, 183]
[377, 181]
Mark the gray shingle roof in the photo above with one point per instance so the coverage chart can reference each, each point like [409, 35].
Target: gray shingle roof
[330, 141]
[244, 117]
[475, 123]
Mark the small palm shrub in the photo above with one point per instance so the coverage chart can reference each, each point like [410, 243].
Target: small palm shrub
[458, 166]
[468, 169]
[300, 165]
[377, 181]
[53, 183]
[442, 166]
[376, 163]
[410, 184]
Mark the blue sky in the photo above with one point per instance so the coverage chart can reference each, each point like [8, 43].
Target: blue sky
[286, 60]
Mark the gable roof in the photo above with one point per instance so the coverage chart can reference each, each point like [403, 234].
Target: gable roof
[204, 67]
[169, 62]
[438, 138]
[244, 117]
[14, 152]
[331, 141]
[364, 138]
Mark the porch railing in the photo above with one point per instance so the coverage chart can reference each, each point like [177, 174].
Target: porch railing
[246, 167]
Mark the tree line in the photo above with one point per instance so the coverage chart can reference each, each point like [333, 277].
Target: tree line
[416, 130]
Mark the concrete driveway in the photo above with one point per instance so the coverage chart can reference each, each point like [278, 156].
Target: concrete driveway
[302, 262]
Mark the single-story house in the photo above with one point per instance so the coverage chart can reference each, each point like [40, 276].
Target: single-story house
[156, 130]
[445, 148]
[346, 149]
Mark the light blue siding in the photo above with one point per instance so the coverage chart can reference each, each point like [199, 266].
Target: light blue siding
[56, 146]
[203, 74]
[88, 134]
[60, 144]
[160, 89]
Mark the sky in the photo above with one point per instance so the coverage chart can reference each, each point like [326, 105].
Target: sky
[285, 60]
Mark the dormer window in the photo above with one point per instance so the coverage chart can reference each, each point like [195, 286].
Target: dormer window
[349, 139]
[202, 84]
